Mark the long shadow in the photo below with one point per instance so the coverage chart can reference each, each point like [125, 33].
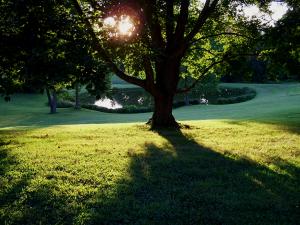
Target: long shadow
[181, 182]
[186, 183]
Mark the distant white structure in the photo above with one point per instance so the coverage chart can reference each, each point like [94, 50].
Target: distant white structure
[108, 103]
[140, 100]
[203, 101]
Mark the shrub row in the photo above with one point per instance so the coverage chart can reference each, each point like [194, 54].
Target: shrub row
[233, 95]
[126, 109]
[237, 99]
[64, 104]
[133, 108]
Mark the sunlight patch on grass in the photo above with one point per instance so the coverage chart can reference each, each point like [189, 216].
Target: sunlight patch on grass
[89, 172]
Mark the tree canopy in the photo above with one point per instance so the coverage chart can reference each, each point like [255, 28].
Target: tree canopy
[276, 53]
[168, 35]
[44, 46]
[150, 43]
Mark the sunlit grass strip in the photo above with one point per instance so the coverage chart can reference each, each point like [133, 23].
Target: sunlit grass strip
[215, 172]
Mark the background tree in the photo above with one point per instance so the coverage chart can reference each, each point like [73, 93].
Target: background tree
[165, 35]
[44, 46]
[276, 52]
[283, 47]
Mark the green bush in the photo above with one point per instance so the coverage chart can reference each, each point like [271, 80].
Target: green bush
[66, 96]
[207, 88]
[237, 99]
[224, 95]
[64, 104]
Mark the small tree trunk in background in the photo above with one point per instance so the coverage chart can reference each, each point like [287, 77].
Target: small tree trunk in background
[48, 96]
[52, 100]
[77, 103]
[186, 99]
[186, 95]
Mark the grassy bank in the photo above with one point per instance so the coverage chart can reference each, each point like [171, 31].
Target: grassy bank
[237, 164]
[272, 101]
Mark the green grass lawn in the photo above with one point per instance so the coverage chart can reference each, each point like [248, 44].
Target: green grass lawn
[237, 164]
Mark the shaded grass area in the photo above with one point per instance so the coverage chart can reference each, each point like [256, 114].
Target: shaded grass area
[217, 172]
[237, 164]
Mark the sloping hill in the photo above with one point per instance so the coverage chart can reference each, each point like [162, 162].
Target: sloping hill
[236, 164]
[273, 101]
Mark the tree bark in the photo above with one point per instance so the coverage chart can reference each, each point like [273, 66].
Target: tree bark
[167, 77]
[162, 116]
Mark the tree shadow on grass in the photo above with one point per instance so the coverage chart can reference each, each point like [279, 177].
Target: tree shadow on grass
[186, 183]
[181, 182]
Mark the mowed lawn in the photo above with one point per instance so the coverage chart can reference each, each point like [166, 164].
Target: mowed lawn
[236, 164]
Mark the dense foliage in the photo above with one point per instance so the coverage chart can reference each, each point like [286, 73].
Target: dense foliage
[171, 40]
[43, 46]
[49, 44]
[276, 53]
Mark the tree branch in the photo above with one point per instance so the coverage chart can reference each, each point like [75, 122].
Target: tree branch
[220, 34]
[153, 23]
[102, 53]
[205, 71]
[182, 21]
[205, 50]
[203, 16]
[170, 21]
[149, 73]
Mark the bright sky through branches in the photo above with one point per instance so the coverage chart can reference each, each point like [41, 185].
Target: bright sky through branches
[278, 9]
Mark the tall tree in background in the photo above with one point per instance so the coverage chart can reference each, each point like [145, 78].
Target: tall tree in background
[166, 35]
[283, 46]
[276, 52]
[44, 46]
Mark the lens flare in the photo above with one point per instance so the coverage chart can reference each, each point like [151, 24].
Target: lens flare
[125, 26]
[119, 27]
[109, 22]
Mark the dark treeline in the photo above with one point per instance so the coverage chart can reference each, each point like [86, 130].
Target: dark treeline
[278, 54]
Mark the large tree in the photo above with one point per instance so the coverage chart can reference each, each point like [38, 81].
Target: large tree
[44, 46]
[167, 35]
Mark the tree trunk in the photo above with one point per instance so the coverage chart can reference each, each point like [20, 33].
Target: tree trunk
[48, 96]
[186, 95]
[52, 100]
[162, 116]
[186, 99]
[77, 103]
[167, 77]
